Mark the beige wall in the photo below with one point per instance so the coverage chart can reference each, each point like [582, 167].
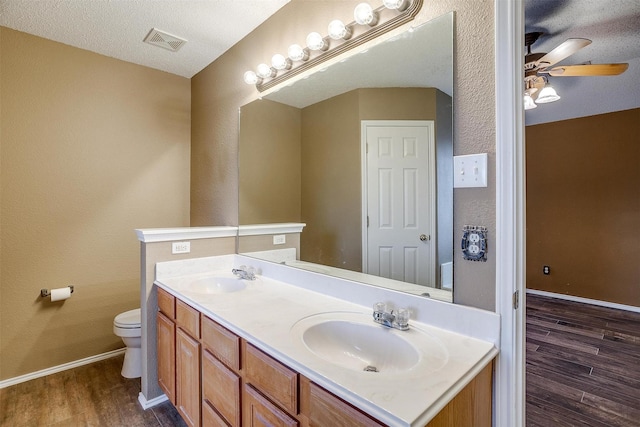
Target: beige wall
[218, 91]
[583, 207]
[269, 159]
[91, 149]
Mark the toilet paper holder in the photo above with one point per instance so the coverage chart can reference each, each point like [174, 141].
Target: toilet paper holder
[45, 292]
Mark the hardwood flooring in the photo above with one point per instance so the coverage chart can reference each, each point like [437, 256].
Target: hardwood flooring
[582, 365]
[90, 395]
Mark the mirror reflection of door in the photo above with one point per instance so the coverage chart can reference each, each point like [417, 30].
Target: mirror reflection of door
[399, 200]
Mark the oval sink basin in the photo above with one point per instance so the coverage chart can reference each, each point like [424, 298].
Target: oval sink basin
[354, 341]
[216, 285]
[360, 347]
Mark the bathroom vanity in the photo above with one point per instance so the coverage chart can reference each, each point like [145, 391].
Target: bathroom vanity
[271, 351]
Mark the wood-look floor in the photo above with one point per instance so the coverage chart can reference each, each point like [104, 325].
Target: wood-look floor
[582, 365]
[90, 395]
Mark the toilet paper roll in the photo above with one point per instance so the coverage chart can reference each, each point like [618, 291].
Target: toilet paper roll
[60, 293]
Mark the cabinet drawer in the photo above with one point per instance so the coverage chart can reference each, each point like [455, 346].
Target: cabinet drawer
[221, 388]
[221, 342]
[325, 409]
[260, 412]
[272, 378]
[167, 303]
[210, 418]
[188, 319]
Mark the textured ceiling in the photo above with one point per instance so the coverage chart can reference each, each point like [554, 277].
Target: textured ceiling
[614, 28]
[117, 28]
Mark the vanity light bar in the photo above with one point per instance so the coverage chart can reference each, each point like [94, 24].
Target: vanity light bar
[339, 40]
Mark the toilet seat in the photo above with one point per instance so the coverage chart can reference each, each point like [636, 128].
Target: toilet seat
[128, 320]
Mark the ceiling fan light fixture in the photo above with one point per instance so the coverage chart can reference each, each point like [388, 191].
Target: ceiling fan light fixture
[547, 94]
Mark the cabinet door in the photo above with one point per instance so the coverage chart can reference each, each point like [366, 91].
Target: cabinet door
[325, 409]
[167, 356]
[210, 418]
[275, 380]
[260, 412]
[220, 388]
[188, 378]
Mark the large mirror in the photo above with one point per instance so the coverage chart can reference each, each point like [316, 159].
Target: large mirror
[362, 154]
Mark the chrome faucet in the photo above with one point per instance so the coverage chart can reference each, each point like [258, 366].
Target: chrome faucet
[244, 272]
[399, 320]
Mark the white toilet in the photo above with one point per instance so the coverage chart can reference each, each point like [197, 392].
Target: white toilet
[127, 326]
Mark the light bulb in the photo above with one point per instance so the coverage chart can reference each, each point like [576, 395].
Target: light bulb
[316, 42]
[297, 53]
[395, 4]
[338, 31]
[363, 14]
[279, 62]
[265, 71]
[251, 78]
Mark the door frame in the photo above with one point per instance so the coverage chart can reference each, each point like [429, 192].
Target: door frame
[430, 125]
[509, 380]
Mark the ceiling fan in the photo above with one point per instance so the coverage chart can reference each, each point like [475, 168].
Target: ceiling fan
[537, 65]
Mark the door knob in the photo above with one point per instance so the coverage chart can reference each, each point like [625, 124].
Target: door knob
[424, 237]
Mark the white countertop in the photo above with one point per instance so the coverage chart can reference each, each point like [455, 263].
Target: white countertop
[266, 310]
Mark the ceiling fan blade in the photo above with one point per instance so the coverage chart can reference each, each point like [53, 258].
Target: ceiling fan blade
[568, 48]
[588, 70]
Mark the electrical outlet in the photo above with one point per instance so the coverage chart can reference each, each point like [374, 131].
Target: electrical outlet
[180, 247]
[546, 269]
[280, 239]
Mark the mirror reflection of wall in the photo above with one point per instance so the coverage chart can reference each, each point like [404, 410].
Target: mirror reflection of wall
[302, 162]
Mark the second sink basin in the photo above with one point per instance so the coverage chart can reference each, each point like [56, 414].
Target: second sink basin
[353, 341]
[216, 285]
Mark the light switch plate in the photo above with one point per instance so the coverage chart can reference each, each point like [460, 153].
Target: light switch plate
[279, 239]
[470, 171]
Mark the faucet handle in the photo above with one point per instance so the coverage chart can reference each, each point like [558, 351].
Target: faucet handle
[402, 316]
[380, 307]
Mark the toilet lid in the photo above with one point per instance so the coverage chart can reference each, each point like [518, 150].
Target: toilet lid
[128, 319]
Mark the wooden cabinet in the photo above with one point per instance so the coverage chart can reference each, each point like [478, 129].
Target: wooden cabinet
[210, 418]
[222, 343]
[188, 378]
[221, 389]
[167, 356]
[325, 409]
[260, 412]
[188, 363]
[215, 378]
[276, 381]
[166, 344]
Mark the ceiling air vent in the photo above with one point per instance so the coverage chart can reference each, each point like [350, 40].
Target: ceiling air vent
[164, 40]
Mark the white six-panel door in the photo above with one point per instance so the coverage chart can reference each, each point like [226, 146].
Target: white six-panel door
[399, 200]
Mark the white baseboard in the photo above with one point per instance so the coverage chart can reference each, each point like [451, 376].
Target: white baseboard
[146, 404]
[60, 368]
[585, 300]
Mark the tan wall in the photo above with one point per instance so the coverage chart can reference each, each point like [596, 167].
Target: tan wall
[270, 163]
[583, 207]
[91, 149]
[218, 91]
[331, 203]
